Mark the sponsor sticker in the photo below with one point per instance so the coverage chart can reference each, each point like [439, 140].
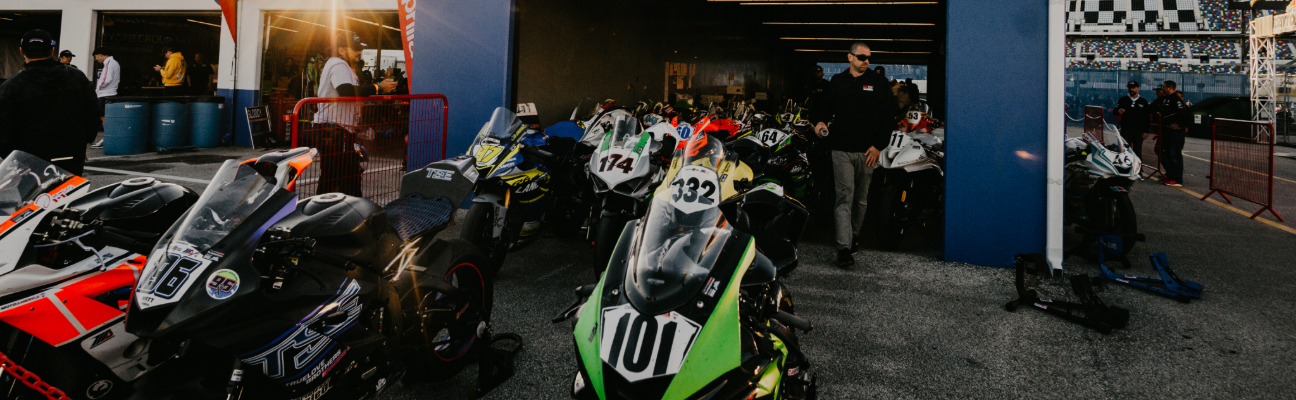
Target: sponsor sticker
[102, 338]
[440, 174]
[222, 284]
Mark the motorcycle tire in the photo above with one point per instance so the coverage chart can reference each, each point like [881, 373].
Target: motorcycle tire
[605, 240]
[477, 230]
[891, 207]
[449, 345]
[1118, 216]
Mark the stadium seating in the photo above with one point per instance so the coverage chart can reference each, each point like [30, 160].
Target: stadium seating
[1213, 69]
[1081, 64]
[1218, 17]
[1213, 48]
[1155, 66]
[1109, 48]
[1164, 48]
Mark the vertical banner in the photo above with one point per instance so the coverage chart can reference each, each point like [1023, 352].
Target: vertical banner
[406, 8]
[228, 9]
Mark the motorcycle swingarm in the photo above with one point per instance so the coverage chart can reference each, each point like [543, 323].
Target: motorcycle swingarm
[1169, 284]
[1090, 312]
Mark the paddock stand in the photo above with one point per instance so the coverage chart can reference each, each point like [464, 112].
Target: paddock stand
[495, 365]
[1091, 236]
[1168, 285]
[1090, 312]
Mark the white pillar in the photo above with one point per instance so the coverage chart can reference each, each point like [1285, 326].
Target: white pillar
[77, 34]
[1056, 130]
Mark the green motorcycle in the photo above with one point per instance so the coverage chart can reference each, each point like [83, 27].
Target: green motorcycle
[688, 307]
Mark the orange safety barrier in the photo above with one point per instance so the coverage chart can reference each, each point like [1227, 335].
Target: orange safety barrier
[1242, 162]
[366, 144]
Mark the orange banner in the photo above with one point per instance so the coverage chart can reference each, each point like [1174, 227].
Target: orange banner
[228, 8]
[406, 8]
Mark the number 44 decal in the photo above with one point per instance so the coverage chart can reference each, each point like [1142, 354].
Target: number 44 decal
[641, 346]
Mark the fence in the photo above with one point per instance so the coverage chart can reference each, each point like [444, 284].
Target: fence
[1103, 88]
[1150, 154]
[366, 144]
[1242, 162]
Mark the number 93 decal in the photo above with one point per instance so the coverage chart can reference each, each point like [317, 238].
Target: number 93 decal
[695, 189]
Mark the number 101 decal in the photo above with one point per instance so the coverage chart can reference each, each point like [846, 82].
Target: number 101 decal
[641, 347]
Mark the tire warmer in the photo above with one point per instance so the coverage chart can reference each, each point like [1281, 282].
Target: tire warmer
[1169, 284]
[1090, 312]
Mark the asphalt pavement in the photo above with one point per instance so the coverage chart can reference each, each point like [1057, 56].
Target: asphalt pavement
[907, 325]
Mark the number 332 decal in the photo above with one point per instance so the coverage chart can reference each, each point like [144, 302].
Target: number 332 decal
[644, 346]
[695, 189]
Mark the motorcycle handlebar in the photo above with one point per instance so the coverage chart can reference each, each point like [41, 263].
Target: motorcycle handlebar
[113, 237]
[794, 321]
[531, 150]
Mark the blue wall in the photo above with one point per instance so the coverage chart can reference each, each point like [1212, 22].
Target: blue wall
[997, 60]
[464, 50]
[236, 128]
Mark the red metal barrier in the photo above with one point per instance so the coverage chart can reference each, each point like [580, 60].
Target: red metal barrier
[1242, 162]
[366, 144]
[1151, 151]
[1093, 123]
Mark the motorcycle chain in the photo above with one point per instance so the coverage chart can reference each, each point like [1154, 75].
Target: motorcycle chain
[31, 380]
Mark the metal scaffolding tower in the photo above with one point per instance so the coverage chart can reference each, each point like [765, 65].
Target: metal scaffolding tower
[1264, 77]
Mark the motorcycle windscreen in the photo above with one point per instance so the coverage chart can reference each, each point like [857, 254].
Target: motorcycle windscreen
[24, 177]
[496, 138]
[205, 259]
[683, 234]
[621, 155]
[602, 124]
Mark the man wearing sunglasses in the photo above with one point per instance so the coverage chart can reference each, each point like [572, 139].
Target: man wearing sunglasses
[860, 106]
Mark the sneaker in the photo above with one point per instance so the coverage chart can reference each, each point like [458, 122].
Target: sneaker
[97, 145]
[855, 245]
[1173, 183]
[845, 259]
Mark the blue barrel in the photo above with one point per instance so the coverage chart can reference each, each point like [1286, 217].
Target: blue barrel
[205, 122]
[170, 124]
[126, 127]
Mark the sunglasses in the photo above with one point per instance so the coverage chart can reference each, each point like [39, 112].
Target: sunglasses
[860, 57]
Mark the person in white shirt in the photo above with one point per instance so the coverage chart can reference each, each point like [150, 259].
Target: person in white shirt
[106, 84]
[333, 130]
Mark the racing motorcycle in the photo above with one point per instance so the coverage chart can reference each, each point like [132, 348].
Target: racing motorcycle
[690, 306]
[512, 187]
[1097, 184]
[70, 257]
[625, 169]
[779, 155]
[910, 181]
[331, 295]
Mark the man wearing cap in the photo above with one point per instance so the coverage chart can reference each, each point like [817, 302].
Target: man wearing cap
[1134, 113]
[818, 88]
[47, 109]
[860, 106]
[334, 124]
[173, 75]
[65, 57]
[1175, 117]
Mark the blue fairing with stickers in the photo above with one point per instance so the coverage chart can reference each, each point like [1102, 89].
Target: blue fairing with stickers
[303, 355]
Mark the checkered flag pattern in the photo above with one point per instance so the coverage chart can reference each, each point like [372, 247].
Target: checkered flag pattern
[1174, 15]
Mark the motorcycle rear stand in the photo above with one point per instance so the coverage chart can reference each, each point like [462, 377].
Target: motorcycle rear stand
[1090, 312]
[1092, 236]
[495, 365]
[1168, 285]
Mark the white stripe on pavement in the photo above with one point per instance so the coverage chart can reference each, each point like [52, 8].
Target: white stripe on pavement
[158, 176]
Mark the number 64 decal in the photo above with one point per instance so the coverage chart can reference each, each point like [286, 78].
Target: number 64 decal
[643, 346]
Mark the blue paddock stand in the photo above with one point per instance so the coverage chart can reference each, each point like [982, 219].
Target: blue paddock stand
[1169, 284]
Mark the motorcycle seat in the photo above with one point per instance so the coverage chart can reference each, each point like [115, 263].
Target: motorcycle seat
[415, 216]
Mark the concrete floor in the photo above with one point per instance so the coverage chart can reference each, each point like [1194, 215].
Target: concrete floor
[906, 325]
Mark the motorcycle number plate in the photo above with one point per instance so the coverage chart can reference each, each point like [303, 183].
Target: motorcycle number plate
[486, 154]
[695, 189]
[1123, 160]
[897, 139]
[643, 346]
[772, 137]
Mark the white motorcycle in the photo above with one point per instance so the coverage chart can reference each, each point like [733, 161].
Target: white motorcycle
[908, 185]
[626, 167]
[1097, 184]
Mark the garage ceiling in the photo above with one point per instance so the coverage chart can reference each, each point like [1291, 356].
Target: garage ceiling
[899, 32]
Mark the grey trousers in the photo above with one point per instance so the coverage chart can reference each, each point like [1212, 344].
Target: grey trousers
[851, 178]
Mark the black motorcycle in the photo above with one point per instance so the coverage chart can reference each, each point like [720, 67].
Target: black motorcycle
[331, 295]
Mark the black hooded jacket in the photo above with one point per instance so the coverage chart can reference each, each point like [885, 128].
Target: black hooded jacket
[862, 110]
[49, 110]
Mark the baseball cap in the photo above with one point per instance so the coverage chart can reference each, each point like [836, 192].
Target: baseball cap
[37, 37]
[66, 53]
[818, 68]
[1132, 84]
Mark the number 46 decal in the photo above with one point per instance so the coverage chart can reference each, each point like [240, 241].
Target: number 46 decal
[642, 346]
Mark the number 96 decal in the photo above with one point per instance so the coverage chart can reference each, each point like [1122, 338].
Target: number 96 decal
[695, 189]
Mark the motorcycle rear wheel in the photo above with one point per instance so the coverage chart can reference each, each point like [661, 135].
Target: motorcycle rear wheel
[891, 208]
[451, 344]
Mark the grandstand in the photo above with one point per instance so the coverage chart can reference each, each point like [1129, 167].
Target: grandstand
[1200, 36]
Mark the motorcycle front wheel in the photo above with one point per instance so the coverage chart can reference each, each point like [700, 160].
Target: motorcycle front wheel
[890, 215]
[478, 229]
[1118, 217]
[605, 240]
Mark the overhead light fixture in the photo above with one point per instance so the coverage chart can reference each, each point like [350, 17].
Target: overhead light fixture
[832, 3]
[6, 19]
[857, 40]
[204, 23]
[312, 23]
[853, 23]
[283, 29]
[874, 51]
[372, 23]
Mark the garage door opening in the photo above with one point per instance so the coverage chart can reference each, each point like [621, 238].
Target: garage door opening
[12, 26]
[136, 40]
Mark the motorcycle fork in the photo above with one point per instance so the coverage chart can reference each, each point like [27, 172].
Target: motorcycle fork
[501, 212]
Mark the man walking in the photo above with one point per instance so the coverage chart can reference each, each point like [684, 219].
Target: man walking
[47, 109]
[860, 106]
[1134, 112]
[173, 75]
[333, 132]
[106, 84]
[1174, 119]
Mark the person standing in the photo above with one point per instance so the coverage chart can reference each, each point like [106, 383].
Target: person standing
[1175, 117]
[106, 84]
[862, 109]
[48, 108]
[1134, 112]
[173, 75]
[65, 57]
[200, 76]
[334, 124]
[818, 88]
